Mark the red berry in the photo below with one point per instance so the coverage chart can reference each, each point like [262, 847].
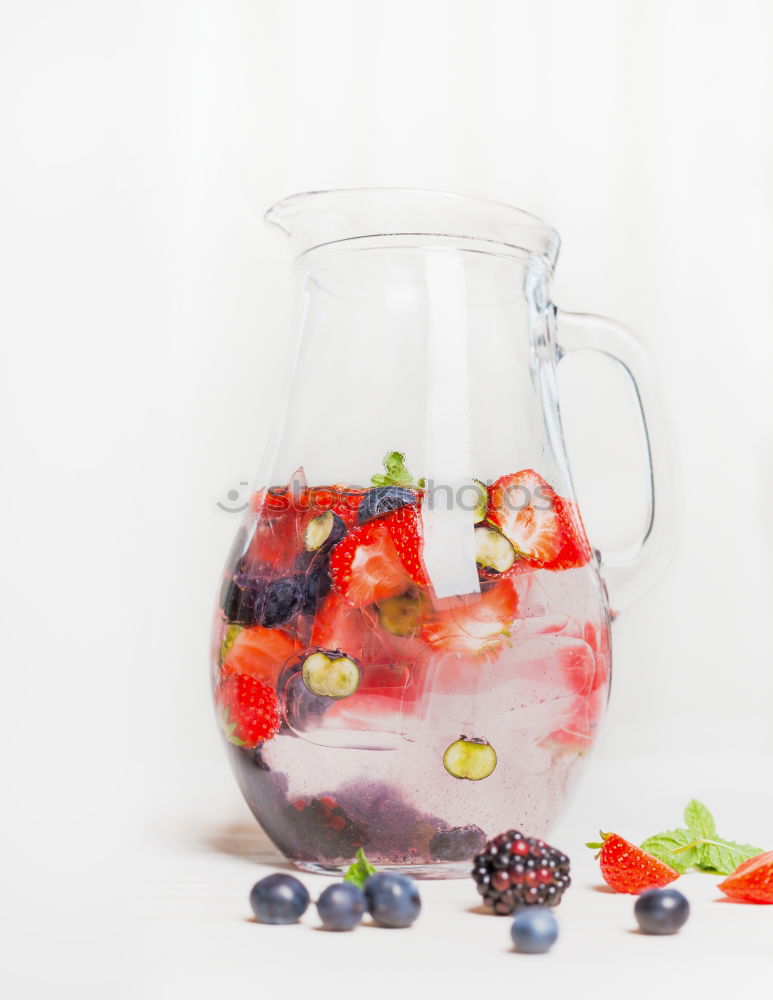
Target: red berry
[500, 881]
[575, 550]
[627, 868]
[543, 526]
[354, 631]
[475, 624]
[405, 529]
[524, 507]
[248, 709]
[365, 566]
[260, 653]
[752, 881]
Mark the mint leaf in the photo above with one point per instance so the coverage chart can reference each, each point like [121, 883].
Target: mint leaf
[359, 872]
[699, 846]
[698, 818]
[678, 848]
[395, 471]
[724, 856]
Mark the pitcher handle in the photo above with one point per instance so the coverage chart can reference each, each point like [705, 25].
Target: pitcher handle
[632, 570]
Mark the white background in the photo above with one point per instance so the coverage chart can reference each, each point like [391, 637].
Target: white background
[143, 310]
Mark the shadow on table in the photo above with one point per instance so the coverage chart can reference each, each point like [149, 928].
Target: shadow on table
[244, 840]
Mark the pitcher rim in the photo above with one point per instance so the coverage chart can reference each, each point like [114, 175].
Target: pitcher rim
[498, 222]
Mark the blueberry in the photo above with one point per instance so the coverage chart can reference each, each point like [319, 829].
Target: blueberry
[279, 899]
[382, 499]
[393, 900]
[281, 600]
[316, 585]
[661, 911]
[341, 906]
[242, 599]
[534, 930]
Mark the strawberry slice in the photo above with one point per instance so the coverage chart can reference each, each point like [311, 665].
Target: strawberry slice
[259, 653]
[752, 881]
[524, 508]
[475, 624]
[354, 631]
[579, 727]
[342, 500]
[405, 529]
[575, 550]
[365, 566]
[277, 537]
[585, 668]
[627, 868]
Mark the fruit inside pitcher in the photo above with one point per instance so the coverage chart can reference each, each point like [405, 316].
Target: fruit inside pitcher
[362, 710]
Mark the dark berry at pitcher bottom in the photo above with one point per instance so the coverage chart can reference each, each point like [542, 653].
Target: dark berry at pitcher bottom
[457, 844]
[514, 871]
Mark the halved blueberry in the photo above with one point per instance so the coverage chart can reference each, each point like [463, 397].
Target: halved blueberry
[402, 615]
[323, 531]
[492, 549]
[470, 758]
[330, 675]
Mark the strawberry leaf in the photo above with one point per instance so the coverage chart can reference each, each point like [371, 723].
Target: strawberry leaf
[677, 848]
[360, 871]
[724, 856]
[229, 728]
[699, 820]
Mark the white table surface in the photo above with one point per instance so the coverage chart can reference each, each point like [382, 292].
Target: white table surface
[192, 934]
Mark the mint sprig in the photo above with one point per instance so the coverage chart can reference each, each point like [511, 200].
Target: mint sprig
[395, 472]
[676, 848]
[697, 845]
[360, 871]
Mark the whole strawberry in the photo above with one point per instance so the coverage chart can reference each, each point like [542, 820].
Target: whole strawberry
[752, 881]
[248, 710]
[627, 868]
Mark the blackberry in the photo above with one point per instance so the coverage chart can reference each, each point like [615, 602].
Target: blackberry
[514, 871]
[281, 601]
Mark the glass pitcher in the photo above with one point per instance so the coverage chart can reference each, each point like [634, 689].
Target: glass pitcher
[411, 649]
